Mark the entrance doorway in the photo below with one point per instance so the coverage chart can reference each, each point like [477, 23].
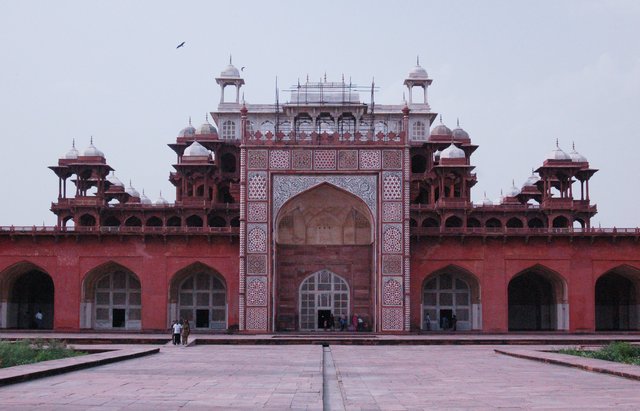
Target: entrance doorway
[616, 298]
[321, 294]
[31, 292]
[532, 303]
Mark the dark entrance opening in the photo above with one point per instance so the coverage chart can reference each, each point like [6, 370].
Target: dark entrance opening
[531, 303]
[615, 303]
[118, 317]
[445, 319]
[31, 292]
[202, 318]
[323, 318]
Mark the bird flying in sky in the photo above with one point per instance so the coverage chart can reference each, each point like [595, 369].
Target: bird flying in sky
[180, 45]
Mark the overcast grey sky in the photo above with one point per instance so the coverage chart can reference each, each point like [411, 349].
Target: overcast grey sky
[517, 74]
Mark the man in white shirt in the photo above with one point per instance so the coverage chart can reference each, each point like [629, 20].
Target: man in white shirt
[177, 329]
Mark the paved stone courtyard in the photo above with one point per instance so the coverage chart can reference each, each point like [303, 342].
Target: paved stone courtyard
[290, 376]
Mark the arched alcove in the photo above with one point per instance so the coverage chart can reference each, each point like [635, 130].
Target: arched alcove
[617, 300]
[25, 290]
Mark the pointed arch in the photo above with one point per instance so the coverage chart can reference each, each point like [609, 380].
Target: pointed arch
[25, 289]
[617, 299]
[322, 294]
[447, 291]
[538, 300]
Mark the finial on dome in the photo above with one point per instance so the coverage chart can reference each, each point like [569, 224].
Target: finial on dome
[417, 60]
[573, 145]
[441, 119]
[73, 143]
[206, 117]
[307, 77]
[325, 76]
[230, 58]
[458, 122]
[91, 140]
[189, 120]
[557, 143]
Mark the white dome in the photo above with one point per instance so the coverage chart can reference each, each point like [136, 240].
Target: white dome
[161, 200]
[459, 134]
[558, 154]
[532, 180]
[441, 130]
[115, 181]
[132, 191]
[513, 191]
[92, 151]
[206, 128]
[72, 154]
[196, 149]
[418, 73]
[144, 199]
[452, 152]
[577, 157]
[230, 71]
[486, 201]
[188, 131]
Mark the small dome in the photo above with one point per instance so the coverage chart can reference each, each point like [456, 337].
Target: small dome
[196, 149]
[230, 71]
[206, 128]
[452, 152]
[132, 191]
[441, 130]
[486, 201]
[188, 131]
[73, 153]
[161, 200]
[577, 157]
[558, 154]
[513, 191]
[458, 133]
[418, 72]
[532, 180]
[92, 151]
[144, 199]
[115, 181]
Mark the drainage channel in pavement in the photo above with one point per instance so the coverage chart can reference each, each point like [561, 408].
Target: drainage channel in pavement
[333, 397]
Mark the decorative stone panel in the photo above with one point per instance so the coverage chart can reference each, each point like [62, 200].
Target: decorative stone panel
[257, 291]
[391, 264]
[288, 186]
[324, 159]
[392, 319]
[301, 159]
[392, 293]
[348, 159]
[257, 160]
[257, 212]
[369, 159]
[257, 264]
[391, 185]
[279, 160]
[392, 238]
[392, 212]
[257, 318]
[256, 238]
[257, 185]
[392, 159]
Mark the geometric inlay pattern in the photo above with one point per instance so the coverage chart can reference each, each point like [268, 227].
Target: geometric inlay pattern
[392, 212]
[392, 159]
[257, 212]
[392, 238]
[392, 319]
[257, 318]
[257, 264]
[301, 159]
[257, 186]
[287, 186]
[256, 238]
[257, 159]
[257, 291]
[391, 264]
[324, 159]
[392, 292]
[391, 185]
[348, 159]
[279, 159]
[369, 159]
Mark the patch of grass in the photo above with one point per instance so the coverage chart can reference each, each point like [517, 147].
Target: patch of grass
[29, 352]
[616, 351]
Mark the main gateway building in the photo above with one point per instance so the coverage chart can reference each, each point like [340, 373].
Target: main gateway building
[289, 212]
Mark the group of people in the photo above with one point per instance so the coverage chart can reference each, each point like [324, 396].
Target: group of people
[180, 332]
[444, 322]
[357, 323]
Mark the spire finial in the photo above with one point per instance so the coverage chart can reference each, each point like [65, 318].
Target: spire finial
[417, 60]
[440, 118]
[325, 76]
[73, 143]
[513, 182]
[91, 140]
[557, 143]
[458, 122]
[573, 145]
[190, 120]
[130, 185]
[404, 98]
[230, 63]
[206, 117]
[243, 102]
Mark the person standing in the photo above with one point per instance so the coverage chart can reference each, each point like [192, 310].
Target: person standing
[186, 330]
[177, 329]
[39, 319]
[454, 322]
[427, 322]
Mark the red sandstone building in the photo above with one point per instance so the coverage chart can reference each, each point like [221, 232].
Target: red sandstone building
[289, 212]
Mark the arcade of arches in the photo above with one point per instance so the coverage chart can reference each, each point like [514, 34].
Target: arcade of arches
[324, 249]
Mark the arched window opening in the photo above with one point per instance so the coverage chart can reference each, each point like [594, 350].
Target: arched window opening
[430, 223]
[174, 221]
[111, 221]
[228, 161]
[216, 221]
[32, 292]
[617, 297]
[418, 164]
[118, 301]
[514, 223]
[203, 301]
[194, 221]
[493, 223]
[267, 127]
[346, 124]
[154, 222]
[453, 222]
[418, 130]
[322, 294]
[381, 127]
[228, 130]
[473, 222]
[578, 224]
[535, 223]
[444, 296]
[560, 222]
[532, 303]
[133, 222]
[87, 220]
